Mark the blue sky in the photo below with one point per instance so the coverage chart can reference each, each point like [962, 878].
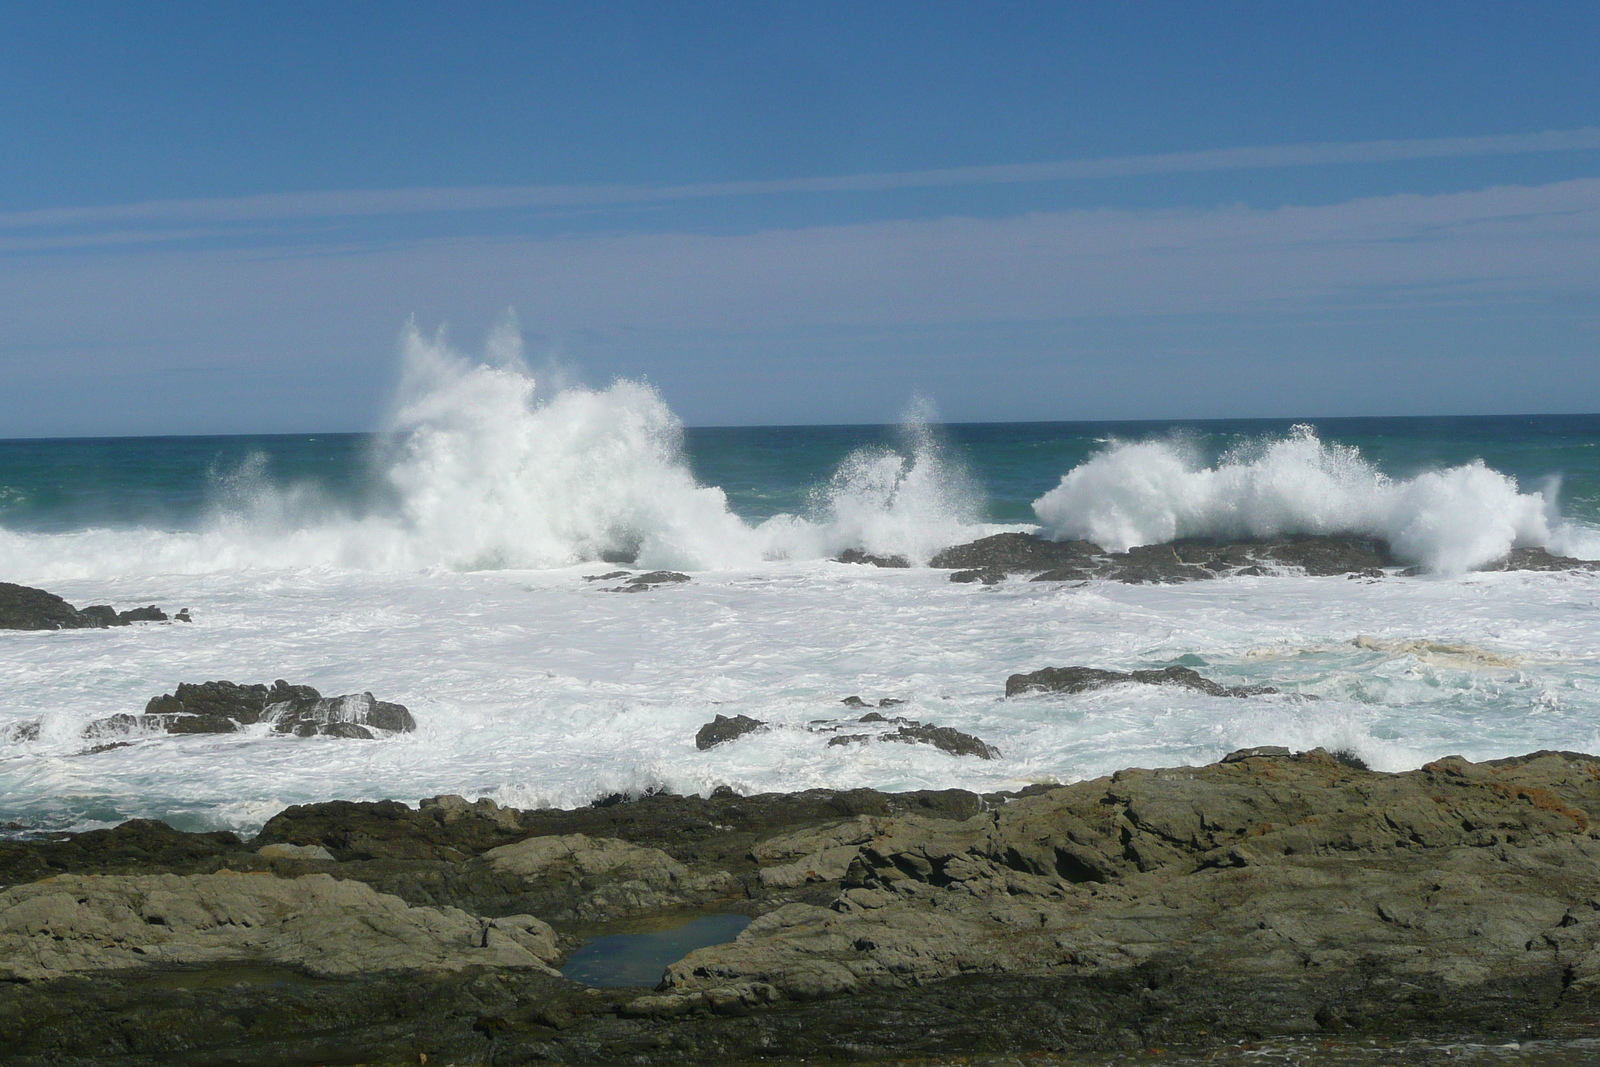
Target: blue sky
[218, 217]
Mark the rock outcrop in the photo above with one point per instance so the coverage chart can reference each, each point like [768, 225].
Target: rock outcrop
[992, 559]
[25, 608]
[75, 923]
[1270, 894]
[856, 555]
[1087, 679]
[224, 707]
[726, 728]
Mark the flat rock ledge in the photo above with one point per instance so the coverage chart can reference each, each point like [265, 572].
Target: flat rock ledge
[992, 559]
[25, 608]
[1271, 894]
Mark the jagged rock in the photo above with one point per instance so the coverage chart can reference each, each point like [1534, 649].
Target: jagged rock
[985, 575]
[224, 707]
[723, 729]
[856, 555]
[77, 923]
[25, 608]
[1085, 679]
[911, 732]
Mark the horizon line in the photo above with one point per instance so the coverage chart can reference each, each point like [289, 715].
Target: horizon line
[869, 425]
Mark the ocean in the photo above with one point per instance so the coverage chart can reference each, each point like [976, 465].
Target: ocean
[444, 564]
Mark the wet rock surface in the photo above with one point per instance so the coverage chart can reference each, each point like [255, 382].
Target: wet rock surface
[638, 583]
[725, 728]
[26, 608]
[225, 707]
[992, 559]
[1088, 679]
[856, 555]
[1270, 894]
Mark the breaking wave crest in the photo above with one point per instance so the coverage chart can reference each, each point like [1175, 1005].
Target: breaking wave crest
[480, 470]
[1449, 521]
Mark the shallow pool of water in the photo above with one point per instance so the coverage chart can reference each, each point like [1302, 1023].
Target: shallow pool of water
[638, 959]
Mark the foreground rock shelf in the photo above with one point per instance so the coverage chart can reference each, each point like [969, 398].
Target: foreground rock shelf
[1269, 894]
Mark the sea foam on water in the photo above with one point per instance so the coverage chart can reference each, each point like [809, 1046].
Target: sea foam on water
[1150, 492]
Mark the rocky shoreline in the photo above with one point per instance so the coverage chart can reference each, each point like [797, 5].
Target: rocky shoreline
[1268, 895]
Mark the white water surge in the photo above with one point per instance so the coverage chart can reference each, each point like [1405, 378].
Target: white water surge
[1449, 521]
[461, 594]
[485, 472]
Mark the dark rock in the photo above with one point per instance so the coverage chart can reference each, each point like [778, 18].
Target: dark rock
[1013, 553]
[25, 608]
[986, 575]
[99, 616]
[182, 616]
[854, 702]
[1259, 752]
[625, 556]
[889, 702]
[944, 739]
[609, 576]
[21, 731]
[856, 555]
[723, 729]
[641, 583]
[224, 707]
[1085, 679]
[912, 732]
[990, 559]
[1539, 559]
[659, 578]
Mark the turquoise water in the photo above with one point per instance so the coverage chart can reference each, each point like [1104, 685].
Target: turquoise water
[57, 485]
[639, 959]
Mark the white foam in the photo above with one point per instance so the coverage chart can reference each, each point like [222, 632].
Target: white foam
[1150, 492]
[483, 471]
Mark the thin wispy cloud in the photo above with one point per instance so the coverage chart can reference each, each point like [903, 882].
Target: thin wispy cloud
[299, 207]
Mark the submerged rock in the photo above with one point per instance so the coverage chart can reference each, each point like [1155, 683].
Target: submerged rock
[856, 555]
[643, 583]
[26, 608]
[723, 729]
[912, 732]
[225, 707]
[1086, 679]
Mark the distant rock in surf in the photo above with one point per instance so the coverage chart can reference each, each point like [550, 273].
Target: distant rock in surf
[856, 555]
[1086, 679]
[723, 729]
[25, 608]
[991, 559]
[912, 732]
[640, 583]
[224, 707]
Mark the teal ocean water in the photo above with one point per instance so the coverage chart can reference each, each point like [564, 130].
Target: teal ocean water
[58, 485]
